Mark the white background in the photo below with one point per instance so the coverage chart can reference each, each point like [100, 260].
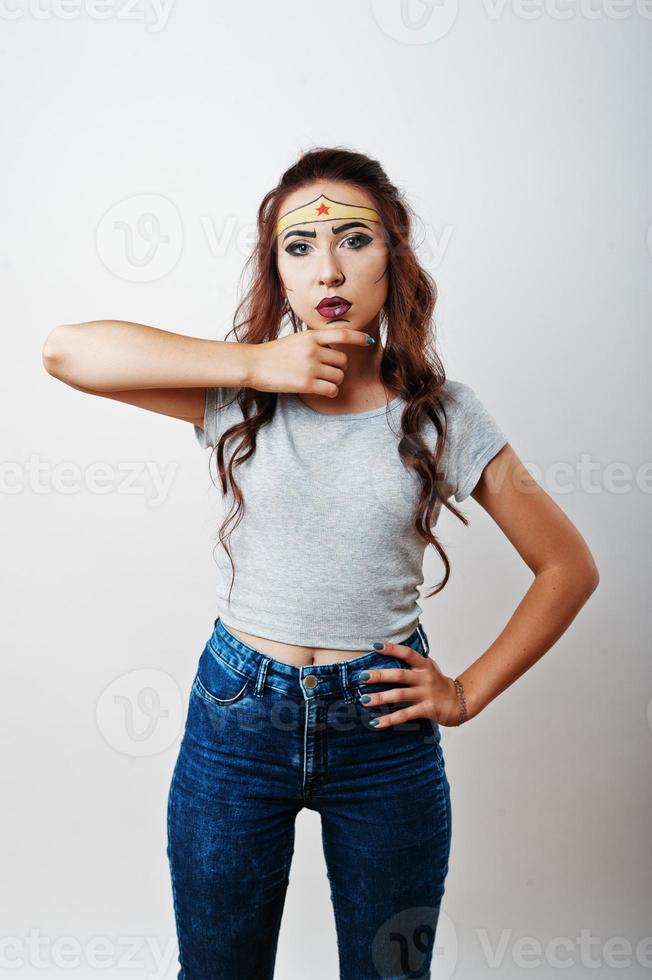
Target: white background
[521, 136]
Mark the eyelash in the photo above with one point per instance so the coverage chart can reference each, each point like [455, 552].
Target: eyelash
[360, 235]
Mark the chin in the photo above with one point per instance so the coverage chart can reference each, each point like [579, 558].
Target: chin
[342, 321]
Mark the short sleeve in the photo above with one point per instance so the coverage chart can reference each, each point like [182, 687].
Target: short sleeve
[221, 411]
[474, 438]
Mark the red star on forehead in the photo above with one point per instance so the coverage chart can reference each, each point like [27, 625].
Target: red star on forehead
[323, 209]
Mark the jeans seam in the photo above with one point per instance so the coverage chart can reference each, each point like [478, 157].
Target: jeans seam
[175, 901]
[207, 696]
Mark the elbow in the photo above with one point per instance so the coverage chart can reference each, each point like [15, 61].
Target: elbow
[54, 349]
[593, 577]
[578, 576]
[588, 576]
[584, 569]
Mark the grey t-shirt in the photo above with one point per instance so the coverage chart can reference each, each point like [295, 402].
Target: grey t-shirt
[326, 554]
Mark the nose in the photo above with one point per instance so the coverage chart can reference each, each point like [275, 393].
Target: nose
[330, 273]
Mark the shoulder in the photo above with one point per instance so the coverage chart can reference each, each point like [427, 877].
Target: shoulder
[462, 404]
[457, 396]
[473, 436]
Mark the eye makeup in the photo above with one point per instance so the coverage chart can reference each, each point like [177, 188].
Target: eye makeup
[363, 239]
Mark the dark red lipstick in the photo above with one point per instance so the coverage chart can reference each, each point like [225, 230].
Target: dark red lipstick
[333, 307]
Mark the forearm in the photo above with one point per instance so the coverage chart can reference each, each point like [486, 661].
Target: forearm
[547, 609]
[116, 355]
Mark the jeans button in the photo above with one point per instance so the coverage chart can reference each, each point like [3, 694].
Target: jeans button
[310, 681]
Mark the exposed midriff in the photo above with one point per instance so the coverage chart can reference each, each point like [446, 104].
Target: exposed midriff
[289, 653]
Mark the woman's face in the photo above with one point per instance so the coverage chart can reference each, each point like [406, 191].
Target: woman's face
[345, 257]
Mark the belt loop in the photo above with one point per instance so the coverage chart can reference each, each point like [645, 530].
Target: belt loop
[344, 681]
[261, 676]
[424, 639]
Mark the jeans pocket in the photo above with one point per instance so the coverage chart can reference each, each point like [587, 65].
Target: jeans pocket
[217, 682]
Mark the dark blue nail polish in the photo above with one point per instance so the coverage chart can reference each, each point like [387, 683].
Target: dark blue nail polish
[374, 721]
[365, 698]
[365, 676]
[370, 340]
[378, 646]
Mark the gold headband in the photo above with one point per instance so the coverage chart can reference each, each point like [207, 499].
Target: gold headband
[323, 209]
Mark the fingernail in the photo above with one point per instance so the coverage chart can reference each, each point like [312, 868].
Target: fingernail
[365, 698]
[370, 340]
[365, 676]
[378, 646]
[374, 721]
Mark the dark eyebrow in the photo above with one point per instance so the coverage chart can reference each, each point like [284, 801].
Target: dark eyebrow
[304, 234]
[336, 231]
[351, 224]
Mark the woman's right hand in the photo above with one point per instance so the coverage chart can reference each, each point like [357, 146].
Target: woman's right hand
[303, 362]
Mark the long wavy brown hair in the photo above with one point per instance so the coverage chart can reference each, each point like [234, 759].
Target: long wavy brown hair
[410, 365]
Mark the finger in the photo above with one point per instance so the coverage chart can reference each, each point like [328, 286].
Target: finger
[416, 696]
[331, 373]
[411, 657]
[327, 388]
[342, 335]
[337, 358]
[387, 675]
[412, 713]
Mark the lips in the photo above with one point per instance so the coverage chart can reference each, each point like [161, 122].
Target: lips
[333, 306]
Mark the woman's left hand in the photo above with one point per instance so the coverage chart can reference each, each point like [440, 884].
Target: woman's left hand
[433, 693]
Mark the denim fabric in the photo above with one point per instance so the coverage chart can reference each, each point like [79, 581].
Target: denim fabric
[260, 743]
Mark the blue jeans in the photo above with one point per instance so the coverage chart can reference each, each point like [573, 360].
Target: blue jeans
[262, 740]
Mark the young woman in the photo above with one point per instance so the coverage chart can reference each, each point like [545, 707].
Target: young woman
[336, 446]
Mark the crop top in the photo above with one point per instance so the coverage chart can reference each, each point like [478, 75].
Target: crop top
[325, 554]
